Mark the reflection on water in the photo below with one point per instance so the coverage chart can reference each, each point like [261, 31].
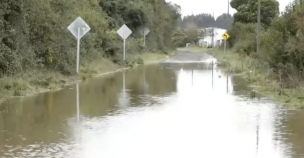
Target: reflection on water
[158, 111]
[77, 102]
[124, 98]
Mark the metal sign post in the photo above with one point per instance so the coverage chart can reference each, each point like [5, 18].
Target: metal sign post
[225, 46]
[124, 32]
[78, 28]
[124, 49]
[145, 31]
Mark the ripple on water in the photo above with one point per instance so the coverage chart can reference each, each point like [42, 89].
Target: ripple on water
[58, 150]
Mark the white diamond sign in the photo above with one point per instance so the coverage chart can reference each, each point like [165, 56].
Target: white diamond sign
[124, 32]
[144, 31]
[80, 24]
[78, 28]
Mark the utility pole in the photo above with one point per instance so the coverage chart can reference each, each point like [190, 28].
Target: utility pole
[225, 43]
[213, 32]
[228, 6]
[258, 26]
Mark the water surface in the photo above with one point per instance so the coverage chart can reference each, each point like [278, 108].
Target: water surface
[178, 110]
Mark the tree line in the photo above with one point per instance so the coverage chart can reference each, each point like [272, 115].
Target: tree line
[204, 20]
[33, 33]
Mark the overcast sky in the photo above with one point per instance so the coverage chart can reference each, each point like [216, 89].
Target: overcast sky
[219, 7]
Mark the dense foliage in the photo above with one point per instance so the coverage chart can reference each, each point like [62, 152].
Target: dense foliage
[282, 48]
[180, 38]
[247, 11]
[192, 34]
[34, 34]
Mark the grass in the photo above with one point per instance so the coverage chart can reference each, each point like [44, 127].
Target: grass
[34, 82]
[257, 75]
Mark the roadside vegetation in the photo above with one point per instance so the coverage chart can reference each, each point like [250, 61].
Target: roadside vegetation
[279, 66]
[278, 70]
[258, 77]
[37, 52]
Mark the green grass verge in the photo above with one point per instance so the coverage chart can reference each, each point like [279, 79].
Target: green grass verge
[257, 76]
[37, 81]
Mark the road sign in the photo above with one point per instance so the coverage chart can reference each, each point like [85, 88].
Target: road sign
[225, 36]
[124, 32]
[145, 31]
[78, 28]
[79, 23]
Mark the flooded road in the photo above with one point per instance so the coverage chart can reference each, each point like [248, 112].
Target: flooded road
[181, 108]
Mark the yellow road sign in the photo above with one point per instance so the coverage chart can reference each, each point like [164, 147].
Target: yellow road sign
[225, 36]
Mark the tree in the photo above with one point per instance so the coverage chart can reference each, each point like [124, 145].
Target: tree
[179, 38]
[224, 21]
[282, 38]
[247, 11]
[200, 20]
[34, 34]
[192, 33]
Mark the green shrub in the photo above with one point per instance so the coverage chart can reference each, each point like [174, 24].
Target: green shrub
[282, 48]
[34, 33]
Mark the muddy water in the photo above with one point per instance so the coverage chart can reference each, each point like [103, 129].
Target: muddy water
[159, 111]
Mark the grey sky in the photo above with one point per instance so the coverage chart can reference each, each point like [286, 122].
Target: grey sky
[219, 7]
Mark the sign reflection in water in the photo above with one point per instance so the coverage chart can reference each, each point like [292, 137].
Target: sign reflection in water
[77, 102]
[145, 84]
[124, 97]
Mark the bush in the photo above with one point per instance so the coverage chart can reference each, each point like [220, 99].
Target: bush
[243, 38]
[34, 34]
[282, 48]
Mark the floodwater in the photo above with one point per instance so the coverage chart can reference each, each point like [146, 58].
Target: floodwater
[175, 109]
